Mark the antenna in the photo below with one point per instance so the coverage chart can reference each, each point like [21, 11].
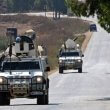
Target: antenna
[12, 34]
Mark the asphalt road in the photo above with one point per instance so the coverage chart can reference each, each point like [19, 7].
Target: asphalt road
[89, 90]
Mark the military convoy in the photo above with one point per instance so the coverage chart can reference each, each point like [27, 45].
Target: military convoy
[24, 73]
[70, 57]
[24, 67]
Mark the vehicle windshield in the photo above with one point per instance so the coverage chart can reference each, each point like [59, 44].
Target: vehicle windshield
[75, 54]
[21, 65]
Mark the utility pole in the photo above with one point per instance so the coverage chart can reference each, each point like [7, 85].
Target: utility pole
[45, 9]
[56, 14]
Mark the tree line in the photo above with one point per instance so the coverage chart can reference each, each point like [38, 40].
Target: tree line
[34, 5]
[101, 8]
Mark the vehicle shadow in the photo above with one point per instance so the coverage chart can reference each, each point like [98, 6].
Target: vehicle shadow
[101, 99]
[107, 73]
[34, 104]
[74, 73]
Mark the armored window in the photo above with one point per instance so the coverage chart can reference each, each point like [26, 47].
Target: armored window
[63, 54]
[21, 65]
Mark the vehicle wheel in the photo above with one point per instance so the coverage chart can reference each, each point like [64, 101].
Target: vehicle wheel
[46, 100]
[47, 97]
[4, 99]
[43, 100]
[7, 102]
[1, 99]
[80, 70]
[39, 100]
[60, 69]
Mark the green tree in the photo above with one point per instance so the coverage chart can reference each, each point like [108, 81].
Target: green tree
[49, 4]
[39, 4]
[60, 5]
[22, 5]
[9, 4]
[92, 7]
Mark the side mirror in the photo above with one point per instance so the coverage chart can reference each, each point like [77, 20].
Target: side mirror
[1, 69]
[47, 69]
[83, 55]
[57, 56]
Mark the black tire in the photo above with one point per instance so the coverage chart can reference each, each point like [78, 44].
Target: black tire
[40, 100]
[1, 99]
[80, 70]
[7, 102]
[60, 70]
[46, 100]
[4, 100]
[43, 100]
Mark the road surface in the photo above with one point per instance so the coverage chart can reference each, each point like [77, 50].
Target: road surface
[75, 91]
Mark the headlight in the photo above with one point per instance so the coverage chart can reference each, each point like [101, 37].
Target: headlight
[60, 61]
[39, 80]
[1, 80]
[79, 60]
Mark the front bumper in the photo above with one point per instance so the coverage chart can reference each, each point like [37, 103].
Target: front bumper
[23, 89]
[71, 65]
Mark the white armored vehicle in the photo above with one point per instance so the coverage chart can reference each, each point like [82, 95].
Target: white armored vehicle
[70, 57]
[23, 75]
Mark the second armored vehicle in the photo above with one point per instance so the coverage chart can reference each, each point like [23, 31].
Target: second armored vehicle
[70, 57]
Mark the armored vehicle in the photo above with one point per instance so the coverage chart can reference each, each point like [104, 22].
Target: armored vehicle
[70, 57]
[23, 78]
[93, 28]
[23, 74]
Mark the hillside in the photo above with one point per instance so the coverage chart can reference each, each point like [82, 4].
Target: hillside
[51, 33]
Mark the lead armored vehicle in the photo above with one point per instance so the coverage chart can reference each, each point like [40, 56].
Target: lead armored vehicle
[23, 74]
